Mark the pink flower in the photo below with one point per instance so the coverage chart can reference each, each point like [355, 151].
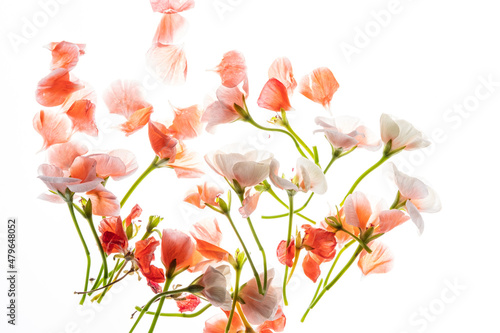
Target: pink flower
[144, 255]
[274, 96]
[379, 261]
[319, 86]
[176, 246]
[250, 201]
[232, 69]
[223, 110]
[54, 127]
[320, 246]
[260, 308]
[104, 203]
[275, 325]
[281, 69]
[168, 62]
[117, 164]
[208, 237]
[308, 177]
[187, 164]
[163, 144]
[416, 197]
[214, 283]
[65, 54]
[247, 169]
[62, 155]
[286, 254]
[346, 133]
[401, 134]
[187, 123]
[53, 89]
[206, 193]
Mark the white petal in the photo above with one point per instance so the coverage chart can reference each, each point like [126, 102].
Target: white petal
[415, 216]
[306, 169]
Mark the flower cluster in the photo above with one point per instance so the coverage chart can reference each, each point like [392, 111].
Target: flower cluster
[79, 178]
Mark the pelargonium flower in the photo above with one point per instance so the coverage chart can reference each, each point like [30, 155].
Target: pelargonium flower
[53, 89]
[260, 308]
[286, 254]
[113, 237]
[117, 164]
[320, 246]
[187, 163]
[250, 201]
[164, 145]
[319, 86]
[401, 134]
[346, 133]
[281, 69]
[208, 237]
[248, 169]
[214, 283]
[416, 197]
[204, 194]
[62, 155]
[309, 177]
[144, 255]
[187, 123]
[187, 302]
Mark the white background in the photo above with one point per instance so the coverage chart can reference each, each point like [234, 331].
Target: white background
[428, 58]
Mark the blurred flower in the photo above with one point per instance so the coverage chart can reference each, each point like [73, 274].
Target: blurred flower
[319, 86]
[401, 134]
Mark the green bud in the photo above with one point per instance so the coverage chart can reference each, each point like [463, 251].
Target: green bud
[153, 222]
[195, 288]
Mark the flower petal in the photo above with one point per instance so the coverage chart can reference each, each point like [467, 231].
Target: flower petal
[379, 261]
[281, 69]
[53, 89]
[163, 145]
[319, 86]
[171, 6]
[125, 97]
[66, 55]
[316, 181]
[82, 115]
[137, 120]
[170, 28]
[168, 62]
[54, 127]
[274, 96]
[62, 155]
[187, 123]
[104, 203]
[232, 69]
[389, 219]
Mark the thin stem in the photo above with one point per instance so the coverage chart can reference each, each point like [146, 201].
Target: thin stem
[331, 284]
[248, 326]
[255, 273]
[99, 245]
[235, 299]
[100, 281]
[337, 259]
[251, 121]
[146, 172]
[152, 300]
[182, 315]
[160, 305]
[97, 280]
[366, 173]
[110, 284]
[288, 239]
[295, 261]
[314, 297]
[259, 245]
[87, 253]
[106, 286]
[299, 140]
[275, 196]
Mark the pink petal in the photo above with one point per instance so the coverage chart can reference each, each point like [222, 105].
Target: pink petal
[410, 187]
[286, 254]
[319, 86]
[275, 325]
[249, 204]
[66, 55]
[176, 245]
[187, 164]
[188, 304]
[169, 29]
[87, 93]
[125, 97]
[54, 127]
[218, 323]
[415, 216]
[137, 120]
[250, 173]
[389, 219]
[104, 203]
[134, 213]
[108, 165]
[62, 155]
[82, 115]
[281, 69]
[357, 210]
[55, 88]
[128, 159]
[379, 261]
[232, 69]
[187, 123]
[310, 176]
[274, 96]
[51, 198]
[311, 268]
[168, 62]
[162, 144]
[279, 182]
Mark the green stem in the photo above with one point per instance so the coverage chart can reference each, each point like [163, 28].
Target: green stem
[314, 297]
[110, 283]
[251, 121]
[288, 239]
[182, 315]
[337, 259]
[160, 305]
[259, 245]
[235, 299]
[331, 284]
[152, 300]
[87, 253]
[97, 280]
[275, 196]
[299, 140]
[255, 273]
[99, 245]
[366, 173]
[146, 172]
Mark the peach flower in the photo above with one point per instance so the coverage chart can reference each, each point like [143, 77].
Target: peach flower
[319, 86]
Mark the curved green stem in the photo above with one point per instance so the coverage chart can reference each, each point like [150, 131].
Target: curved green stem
[275, 196]
[335, 261]
[152, 300]
[160, 305]
[259, 245]
[87, 253]
[331, 284]
[288, 239]
[366, 173]
[99, 245]
[182, 315]
[251, 121]
[146, 172]
[110, 283]
[235, 299]
[314, 297]
[255, 273]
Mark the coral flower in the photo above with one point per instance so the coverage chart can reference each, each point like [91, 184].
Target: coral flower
[65, 54]
[309, 177]
[117, 164]
[232, 69]
[168, 62]
[187, 123]
[176, 248]
[104, 203]
[113, 237]
[54, 127]
[416, 197]
[274, 96]
[208, 237]
[188, 303]
[82, 115]
[286, 254]
[379, 261]
[319, 86]
[163, 144]
[250, 201]
[275, 325]
[281, 69]
[171, 6]
[53, 89]
[223, 111]
[62, 155]
[320, 245]
[401, 134]
[247, 169]
[204, 194]
[260, 308]
[187, 163]
[346, 133]
[144, 255]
